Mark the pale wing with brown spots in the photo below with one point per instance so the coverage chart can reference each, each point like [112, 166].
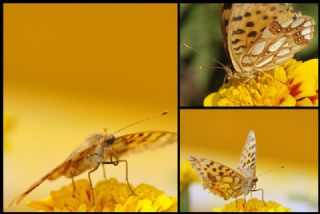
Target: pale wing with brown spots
[225, 181]
[260, 37]
[247, 163]
[142, 141]
[218, 178]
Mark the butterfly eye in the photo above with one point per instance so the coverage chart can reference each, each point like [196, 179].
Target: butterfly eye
[110, 139]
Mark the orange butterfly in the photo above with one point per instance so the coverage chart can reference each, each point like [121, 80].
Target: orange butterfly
[104, 149]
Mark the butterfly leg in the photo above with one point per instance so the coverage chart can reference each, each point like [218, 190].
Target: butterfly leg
[245, 85]
[104, 172]
[245, 202]
[89, 173]
[74, 187]
[262, 193]
[115, 163]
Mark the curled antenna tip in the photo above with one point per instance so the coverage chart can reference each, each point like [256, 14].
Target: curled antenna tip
[165, 112]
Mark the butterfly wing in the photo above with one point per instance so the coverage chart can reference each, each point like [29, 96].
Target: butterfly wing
[279, 42]
[224, 22]
[141, 141]
[246, 24]
[62, 169]
[218, 178]
[75, 158]
[247, 163]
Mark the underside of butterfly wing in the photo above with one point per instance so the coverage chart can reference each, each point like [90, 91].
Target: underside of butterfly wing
[278, 43]
[246, 24]
[247, 163]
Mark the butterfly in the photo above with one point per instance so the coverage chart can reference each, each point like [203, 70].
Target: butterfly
[226, 182]
[100, 149]
[260, 37]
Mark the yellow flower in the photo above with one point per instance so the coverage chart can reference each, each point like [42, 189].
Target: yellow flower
[253, 205]
[110, 196]
[187, 175]
[293, 84]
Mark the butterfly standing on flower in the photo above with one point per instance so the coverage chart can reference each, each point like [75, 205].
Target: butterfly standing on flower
[260, 37]
[225, 181]
[104, 149]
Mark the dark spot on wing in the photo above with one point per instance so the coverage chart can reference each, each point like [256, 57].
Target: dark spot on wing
[221, 173]
[265, 17]
[249, 24]
[226, 22]
[238, 31]
[243, 46]
[247, 14]
[235, 41]
[252, 34]
[237, 18]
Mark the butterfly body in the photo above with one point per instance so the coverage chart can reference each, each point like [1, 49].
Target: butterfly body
[224, 181]
[260, 37]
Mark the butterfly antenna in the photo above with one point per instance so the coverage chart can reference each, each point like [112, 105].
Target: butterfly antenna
[197, 51]
[281, 167]
[148, 118]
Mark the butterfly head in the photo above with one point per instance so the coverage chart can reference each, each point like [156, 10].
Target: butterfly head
[107, 140]
[254, 181]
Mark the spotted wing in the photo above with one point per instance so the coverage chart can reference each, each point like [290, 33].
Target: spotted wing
[218, 178]
[247, 163]
[141, 141]
[61, 169]
[246, 24]
[225, 11]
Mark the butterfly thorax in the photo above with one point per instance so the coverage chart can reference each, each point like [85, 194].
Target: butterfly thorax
[91, 159]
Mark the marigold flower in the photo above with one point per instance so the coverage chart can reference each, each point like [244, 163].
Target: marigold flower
[292, 84]
[252, 205]
[187, 175]
[110, 196]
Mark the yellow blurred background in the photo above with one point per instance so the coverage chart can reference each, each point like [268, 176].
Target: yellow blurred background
[286, 138]
[71, 70]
